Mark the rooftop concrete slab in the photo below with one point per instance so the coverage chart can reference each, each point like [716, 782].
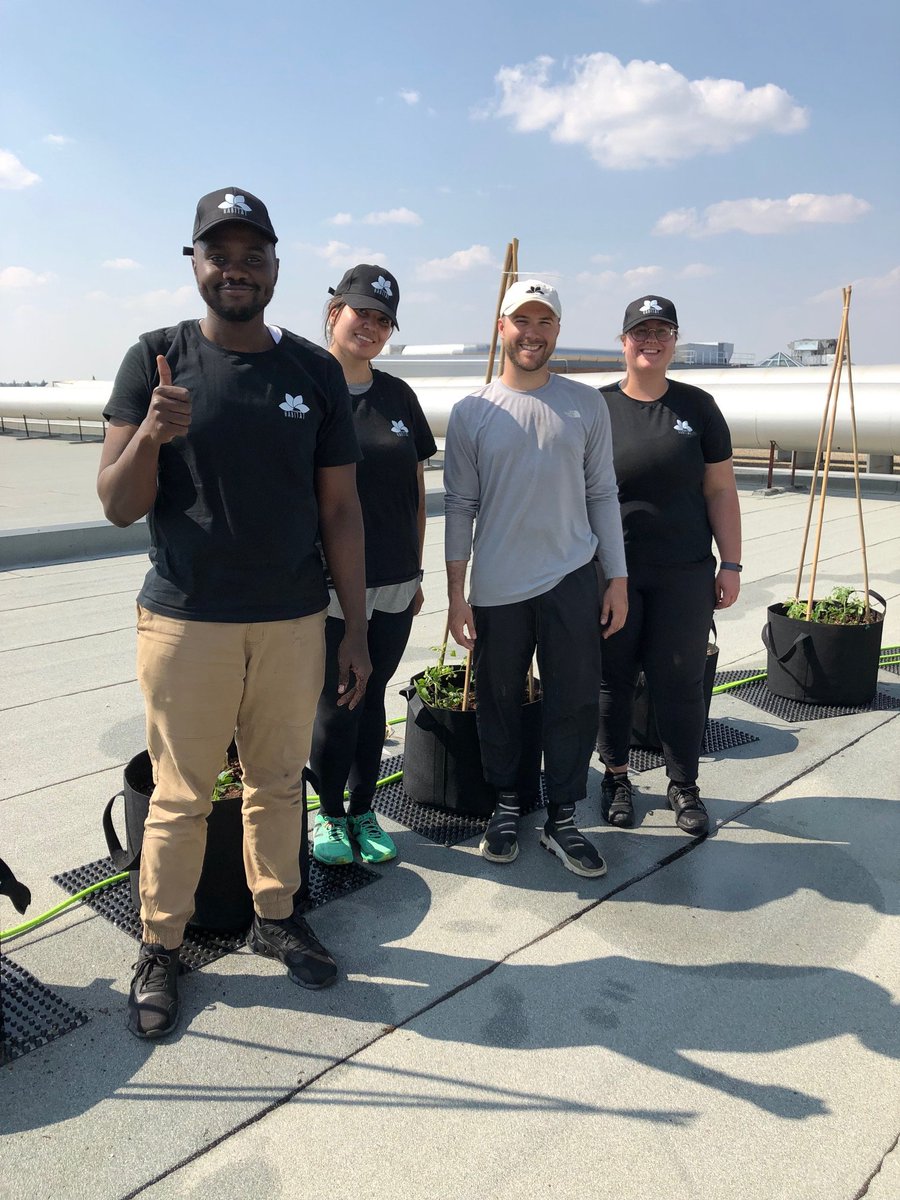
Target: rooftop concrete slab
[710, 1020]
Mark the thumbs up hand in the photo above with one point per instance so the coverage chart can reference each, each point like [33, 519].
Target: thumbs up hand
[169, 415]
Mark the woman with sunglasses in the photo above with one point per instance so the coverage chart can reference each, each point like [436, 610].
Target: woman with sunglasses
[395, 441]
[672, 453]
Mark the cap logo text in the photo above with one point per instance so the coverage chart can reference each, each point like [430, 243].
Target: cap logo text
[235, 205]
[650, 306]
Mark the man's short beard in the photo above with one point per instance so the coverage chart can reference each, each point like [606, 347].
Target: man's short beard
[513, 357]
[244, 313]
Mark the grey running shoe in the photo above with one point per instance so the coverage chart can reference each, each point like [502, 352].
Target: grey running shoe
[500, 842]
[690, 813]
[561, 837]
[153, 999]
[617, 800]
[292, 942]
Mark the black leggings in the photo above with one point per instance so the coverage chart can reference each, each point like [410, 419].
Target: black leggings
[346, 746]
[670, 611]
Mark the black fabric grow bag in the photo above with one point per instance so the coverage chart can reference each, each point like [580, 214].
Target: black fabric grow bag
[222, 900]
[823, 664]
[442, 757]
[644, 734]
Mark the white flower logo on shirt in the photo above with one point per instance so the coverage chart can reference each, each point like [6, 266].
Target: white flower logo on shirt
[399, 428]
[683, 427]
[293, 406]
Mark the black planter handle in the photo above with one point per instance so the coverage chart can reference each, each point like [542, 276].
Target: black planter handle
[122, 860]
[418, 709]
[766, 635]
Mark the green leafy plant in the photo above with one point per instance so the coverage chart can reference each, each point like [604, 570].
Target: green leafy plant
[229, 781]
[441, 685]
[844, 606]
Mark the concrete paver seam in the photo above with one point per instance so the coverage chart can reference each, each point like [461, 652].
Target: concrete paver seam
[79, 637]
[101, 687]
[56, 783]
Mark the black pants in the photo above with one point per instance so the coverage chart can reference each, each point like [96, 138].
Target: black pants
[670, 611]
[563, 625]
[346, 746]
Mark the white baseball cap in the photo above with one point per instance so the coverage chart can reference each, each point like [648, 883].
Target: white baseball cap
[530, 289]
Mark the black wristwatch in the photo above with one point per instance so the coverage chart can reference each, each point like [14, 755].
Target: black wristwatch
[727, 566]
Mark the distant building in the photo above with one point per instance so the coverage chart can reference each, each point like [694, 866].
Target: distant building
[780, 360]
[703, 354]
[814, 352]
[472, 358]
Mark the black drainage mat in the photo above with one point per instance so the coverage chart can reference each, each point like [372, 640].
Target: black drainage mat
[201, 946]
[32, 1014]
[719, 735]
[445, 826]
[759, 696]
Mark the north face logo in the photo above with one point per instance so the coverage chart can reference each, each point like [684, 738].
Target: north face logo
[293, 406]
[650, 306]
[235, 206]
[399, 428]
[382, 286]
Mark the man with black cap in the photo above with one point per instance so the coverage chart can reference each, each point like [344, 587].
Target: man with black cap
[235, 438]
[528, 462]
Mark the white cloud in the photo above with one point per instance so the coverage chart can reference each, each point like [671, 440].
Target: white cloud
[21, 277]
[341, 218]
[640, 114]
[121, 264]
[640, 279]
[409, 97]
[58, 139]
[864, 287]
[758, 216]
[166, 301]
[14, 174]
[393, 216]
[455, 264]
[342, 254]
[697, 271]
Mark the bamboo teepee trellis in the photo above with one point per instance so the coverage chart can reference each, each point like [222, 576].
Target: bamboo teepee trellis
[826, 436]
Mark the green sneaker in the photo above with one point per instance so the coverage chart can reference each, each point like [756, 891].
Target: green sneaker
[374, 844]
[331, 845]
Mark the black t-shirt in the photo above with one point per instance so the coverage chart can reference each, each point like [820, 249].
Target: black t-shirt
[233, 529]
[660, 450]
[394, 438]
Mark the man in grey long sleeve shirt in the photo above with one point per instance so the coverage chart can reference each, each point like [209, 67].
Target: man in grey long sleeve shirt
[528, 463]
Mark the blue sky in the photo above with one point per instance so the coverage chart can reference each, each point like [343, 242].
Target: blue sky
[738, 158]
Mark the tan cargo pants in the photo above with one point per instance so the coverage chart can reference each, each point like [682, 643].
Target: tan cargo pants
[205, 682]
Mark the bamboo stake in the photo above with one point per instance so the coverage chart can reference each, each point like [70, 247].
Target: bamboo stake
[467, 681]
[512, 278]
[839, 355]
[815, 474]
[859, 512]
[504, 275]
[531, 682]
[443, 649]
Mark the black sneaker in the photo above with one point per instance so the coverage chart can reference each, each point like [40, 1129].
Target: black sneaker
[153, 999]
[617, 800]
[292, 942]
[690, 813]
[562, 838]
[500, 843]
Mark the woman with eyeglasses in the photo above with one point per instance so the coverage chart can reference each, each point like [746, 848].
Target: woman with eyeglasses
[672, 453]
[395, 441]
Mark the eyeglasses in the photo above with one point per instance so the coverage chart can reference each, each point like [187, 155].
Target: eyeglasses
[662, 333]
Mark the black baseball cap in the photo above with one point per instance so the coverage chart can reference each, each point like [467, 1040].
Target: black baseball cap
[230, 204]
[649, 308]
[368, 286]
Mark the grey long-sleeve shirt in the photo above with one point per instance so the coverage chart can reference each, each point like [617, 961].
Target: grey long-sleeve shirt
[533, 471]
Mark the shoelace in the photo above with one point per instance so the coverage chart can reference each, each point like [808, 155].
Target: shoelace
[152, 971]
[334, 832]
[367, 822]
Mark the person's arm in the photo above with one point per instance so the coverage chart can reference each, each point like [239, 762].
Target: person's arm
[605, 518]
[341, 530]
[462, 622]
[724, 512]
[129, 460]
[421, 517]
